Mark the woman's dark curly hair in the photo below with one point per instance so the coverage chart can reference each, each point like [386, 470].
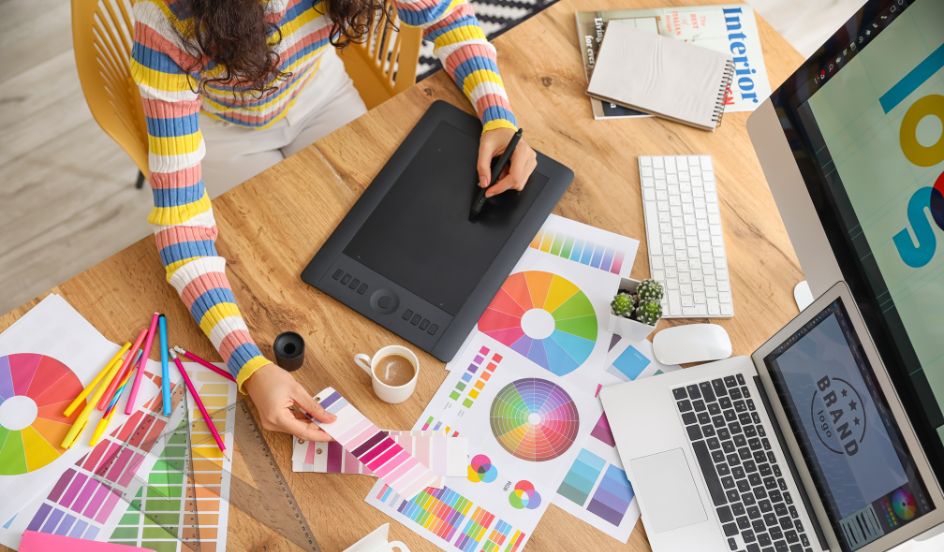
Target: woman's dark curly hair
[240, 35]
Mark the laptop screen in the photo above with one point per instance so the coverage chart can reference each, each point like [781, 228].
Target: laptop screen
[852, 446]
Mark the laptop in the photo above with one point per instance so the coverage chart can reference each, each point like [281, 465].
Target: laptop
[803, 446]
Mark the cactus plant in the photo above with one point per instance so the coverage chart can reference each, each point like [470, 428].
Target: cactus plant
[649, 291]
[649, 313]
[623, 304]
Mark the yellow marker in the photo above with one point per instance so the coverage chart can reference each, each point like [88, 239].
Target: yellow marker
[90, 405]
[88, 389]
[106, 419]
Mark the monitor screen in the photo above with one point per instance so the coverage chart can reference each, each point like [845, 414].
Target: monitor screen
[852, 445]
[864, 117]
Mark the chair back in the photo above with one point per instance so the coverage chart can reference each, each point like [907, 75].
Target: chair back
[384, 64]
[102, 32]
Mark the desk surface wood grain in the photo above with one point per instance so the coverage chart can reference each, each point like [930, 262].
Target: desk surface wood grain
[273, 224]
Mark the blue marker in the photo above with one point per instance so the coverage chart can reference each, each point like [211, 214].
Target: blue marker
[165, 371]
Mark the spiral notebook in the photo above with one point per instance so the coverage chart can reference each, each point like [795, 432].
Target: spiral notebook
[666, 77]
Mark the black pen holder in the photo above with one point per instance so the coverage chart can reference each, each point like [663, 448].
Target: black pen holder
[289, 348]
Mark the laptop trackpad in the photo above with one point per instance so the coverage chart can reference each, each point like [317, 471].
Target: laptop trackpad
[665, 484]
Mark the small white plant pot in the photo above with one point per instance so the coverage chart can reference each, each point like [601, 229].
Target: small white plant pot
[628, 329]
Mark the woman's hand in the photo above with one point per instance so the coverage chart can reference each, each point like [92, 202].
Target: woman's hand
[523, 162]
[274, 391]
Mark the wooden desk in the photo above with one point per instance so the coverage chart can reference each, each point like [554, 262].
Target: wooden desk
[271, 226]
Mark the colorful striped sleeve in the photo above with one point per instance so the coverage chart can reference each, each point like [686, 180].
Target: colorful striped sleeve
[465, 53]
[185, 229]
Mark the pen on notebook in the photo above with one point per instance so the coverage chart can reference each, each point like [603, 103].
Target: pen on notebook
[203, 362]
[479, 202]
[142, 364]
[165, 370]
[196, 398]
[126, 368]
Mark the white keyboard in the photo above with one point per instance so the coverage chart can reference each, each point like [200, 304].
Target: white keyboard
[683, 228]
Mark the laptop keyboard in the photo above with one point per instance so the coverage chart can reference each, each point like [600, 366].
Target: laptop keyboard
[745, 481]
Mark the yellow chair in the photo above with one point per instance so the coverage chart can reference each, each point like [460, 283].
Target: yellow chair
[384, 64]
[102, 33]
[102, 30]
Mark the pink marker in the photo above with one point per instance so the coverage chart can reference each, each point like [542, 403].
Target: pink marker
[142, 364]
[196, 399]
[120, 376]
[205, 363]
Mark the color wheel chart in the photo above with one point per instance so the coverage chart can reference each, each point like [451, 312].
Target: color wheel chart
[176, 487]
[585, 252]
[467, 389]
[34, 390]
[545, 317]
[534, 419]
[455, 519]
[84, 497]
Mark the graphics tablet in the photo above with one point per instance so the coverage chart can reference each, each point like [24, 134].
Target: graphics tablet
[406, 255]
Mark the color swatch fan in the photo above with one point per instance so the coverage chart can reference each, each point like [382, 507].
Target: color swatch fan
[534, 419]
[34, 390]
[545, 317]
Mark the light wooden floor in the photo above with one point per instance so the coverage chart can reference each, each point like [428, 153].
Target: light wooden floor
[66, 189]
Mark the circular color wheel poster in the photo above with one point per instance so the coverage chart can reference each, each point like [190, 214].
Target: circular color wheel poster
[534, 419]
[545, 317]
[34, 390]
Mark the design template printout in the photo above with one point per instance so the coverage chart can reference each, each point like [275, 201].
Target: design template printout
[522, 390]
[881, 118]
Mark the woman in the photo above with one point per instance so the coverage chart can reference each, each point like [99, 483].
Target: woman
[259, 80]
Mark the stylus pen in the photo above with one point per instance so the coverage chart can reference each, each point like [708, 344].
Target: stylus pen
[479, 202]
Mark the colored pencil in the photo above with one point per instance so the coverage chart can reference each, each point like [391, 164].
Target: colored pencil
[203, 362]
[129, 358]
[83, 417]
[196, 399]
[152, 330]
[165, 370]
[88, 388]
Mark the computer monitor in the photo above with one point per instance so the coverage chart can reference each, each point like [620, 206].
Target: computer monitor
[852, 145]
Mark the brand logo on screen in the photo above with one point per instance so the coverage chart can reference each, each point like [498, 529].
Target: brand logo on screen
[917, 242]
[838, 415]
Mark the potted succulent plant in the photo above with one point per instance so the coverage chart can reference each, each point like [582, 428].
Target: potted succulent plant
[636, 309]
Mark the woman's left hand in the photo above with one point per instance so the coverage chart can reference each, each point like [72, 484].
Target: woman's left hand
[523, 162]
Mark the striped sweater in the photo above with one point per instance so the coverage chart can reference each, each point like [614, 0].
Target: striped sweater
[183, 216]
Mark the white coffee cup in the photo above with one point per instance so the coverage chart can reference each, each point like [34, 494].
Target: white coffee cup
[392, 394]
[376, 541]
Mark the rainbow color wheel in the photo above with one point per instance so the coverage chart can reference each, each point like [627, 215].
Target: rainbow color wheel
[903, 504]
[34, 390]
[534, 419]
[544, 317]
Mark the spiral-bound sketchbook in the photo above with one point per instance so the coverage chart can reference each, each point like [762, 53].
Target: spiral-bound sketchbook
[662, 76]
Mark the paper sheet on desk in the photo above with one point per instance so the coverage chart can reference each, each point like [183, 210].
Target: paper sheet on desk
[58, 353]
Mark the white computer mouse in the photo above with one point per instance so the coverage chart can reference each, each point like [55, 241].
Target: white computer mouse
[691, 343]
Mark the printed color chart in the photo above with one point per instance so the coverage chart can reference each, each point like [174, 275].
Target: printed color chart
[455, 519]
[45, 385]
[461, 398]
[182, 502]
[581, 251]
[629, 364]
[374, 448]
[613, 495]
[545, 317]
[85, 496]
[534, 419]
[443, 454]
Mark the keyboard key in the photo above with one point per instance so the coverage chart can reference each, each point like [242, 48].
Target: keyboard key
[706, 391]
[693, 392]
[708, 472]
[724, 514]
[732, 544]
[688, 418]
[694, 433]
[679, 393]
[684, 405]
[730, 529]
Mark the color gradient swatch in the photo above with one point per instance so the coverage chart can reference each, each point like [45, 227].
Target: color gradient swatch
[612, 497]
[629, 364]
[580, 251]
[534, 419]
[582, 476]
[545, 317]
[41, 383]
[374, 447]
[443, 454]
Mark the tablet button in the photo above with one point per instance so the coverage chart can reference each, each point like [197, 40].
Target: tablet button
[362, 289]
[354, 283]
[433, 329]
[407, 315]
[337, 274]
[384, 301]
[416, 319]
[345, 279]
[424, 324]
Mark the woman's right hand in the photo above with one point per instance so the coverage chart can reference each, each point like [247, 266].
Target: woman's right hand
[274, 392]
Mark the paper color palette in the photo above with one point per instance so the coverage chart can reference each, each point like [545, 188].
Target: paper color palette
[86, 495]
[581, 251]
[374, 448]
[177, 484]
[456, 519]
[444, 455]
